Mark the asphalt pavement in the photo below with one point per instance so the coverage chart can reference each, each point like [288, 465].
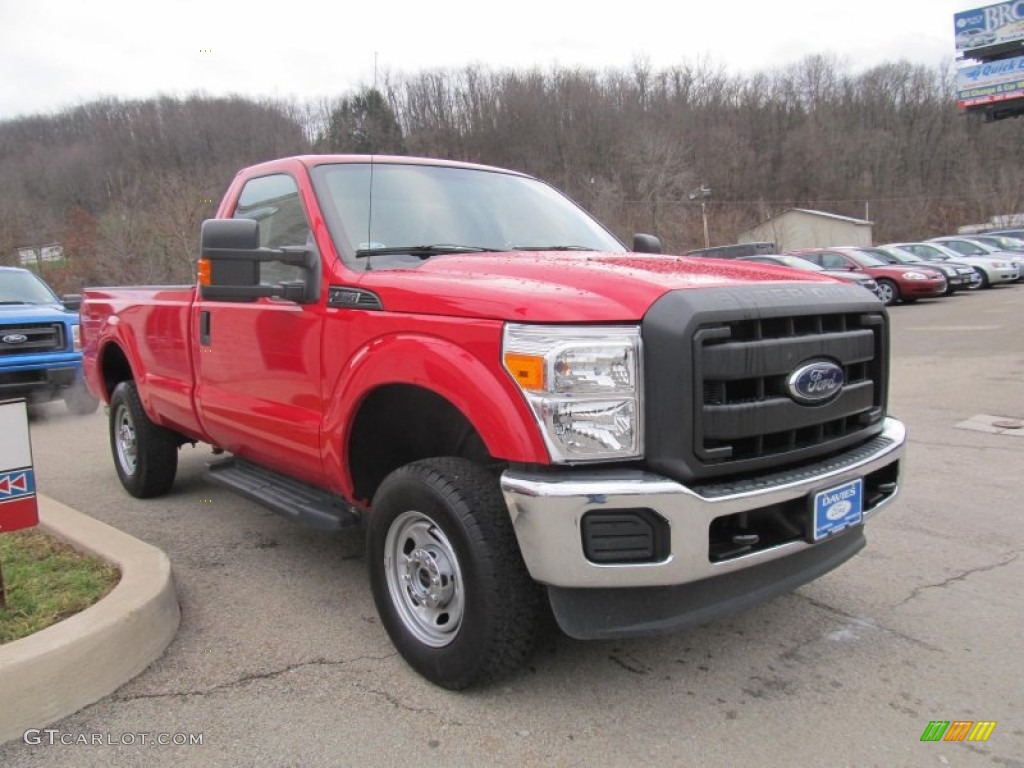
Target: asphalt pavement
[280, 659]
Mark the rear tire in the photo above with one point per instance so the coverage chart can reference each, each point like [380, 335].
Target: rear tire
[448, 580]
[888, 292]
[145, 454]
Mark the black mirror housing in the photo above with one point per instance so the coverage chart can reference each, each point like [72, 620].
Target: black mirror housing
[646, 244]
[232, 249]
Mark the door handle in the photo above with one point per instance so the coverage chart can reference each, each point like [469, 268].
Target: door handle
[204, 328]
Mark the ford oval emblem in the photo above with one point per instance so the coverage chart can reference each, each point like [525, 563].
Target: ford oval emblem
[838, 510]
[815, 383]
[15, 338]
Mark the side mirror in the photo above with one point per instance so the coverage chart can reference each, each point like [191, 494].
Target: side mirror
[646, 244]
[72, 301]
[230, 258]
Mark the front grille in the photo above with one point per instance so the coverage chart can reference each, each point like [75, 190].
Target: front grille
[717, 366]
[742, 369]
[39, 337]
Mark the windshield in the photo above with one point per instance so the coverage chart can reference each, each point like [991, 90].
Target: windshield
[929, 251]
[897, 255]
[1003, 243]
[789, 261]
[868, 260]
[882, 255]
[965, 247]
[18, 287]
[388, 215]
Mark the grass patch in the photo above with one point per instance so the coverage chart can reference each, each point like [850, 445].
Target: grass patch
[47, 581]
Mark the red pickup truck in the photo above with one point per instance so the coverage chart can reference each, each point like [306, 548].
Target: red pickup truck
[524, 414]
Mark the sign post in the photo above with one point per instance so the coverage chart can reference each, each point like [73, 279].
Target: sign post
[18, 505]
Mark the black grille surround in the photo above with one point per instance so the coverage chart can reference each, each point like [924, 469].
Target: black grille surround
[716, 361]
[39, 337]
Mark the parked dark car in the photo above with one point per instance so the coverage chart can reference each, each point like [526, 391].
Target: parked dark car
[736, 251]
[895, 283]
[795, 262]
[959, 277]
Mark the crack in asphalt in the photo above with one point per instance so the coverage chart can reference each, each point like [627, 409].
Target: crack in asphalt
[397, 703]
[860, 622]
[959, 577]
[245, 679]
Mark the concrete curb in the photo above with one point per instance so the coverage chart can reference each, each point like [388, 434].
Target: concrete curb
[70, 665]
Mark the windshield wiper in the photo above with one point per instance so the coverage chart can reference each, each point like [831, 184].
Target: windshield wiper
[424, 251]
[551, 248]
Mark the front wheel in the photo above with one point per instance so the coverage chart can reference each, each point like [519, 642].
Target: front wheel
[985, 282]
[888, 292]
[145, 454]
[448, 580]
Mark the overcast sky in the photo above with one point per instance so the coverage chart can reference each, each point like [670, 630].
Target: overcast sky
[58, 53]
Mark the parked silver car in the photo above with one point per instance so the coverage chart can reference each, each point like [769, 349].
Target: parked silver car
[1007, 265]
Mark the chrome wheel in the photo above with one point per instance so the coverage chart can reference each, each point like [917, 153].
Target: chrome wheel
[424, 579]
[126, 440]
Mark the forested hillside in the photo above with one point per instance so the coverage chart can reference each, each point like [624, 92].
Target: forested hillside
[123, 186]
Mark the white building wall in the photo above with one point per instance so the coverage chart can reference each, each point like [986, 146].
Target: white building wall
[801, 229]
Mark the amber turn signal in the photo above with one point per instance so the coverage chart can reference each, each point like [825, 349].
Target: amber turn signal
[528, 370]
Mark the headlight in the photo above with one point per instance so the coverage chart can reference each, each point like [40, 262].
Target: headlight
[915, 276]
[76, 337]
[583, 385]
[1000, 265]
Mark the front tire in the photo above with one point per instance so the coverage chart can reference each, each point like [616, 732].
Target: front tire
[888, 292]
[448, 580]
[145, 454]
[985, 282]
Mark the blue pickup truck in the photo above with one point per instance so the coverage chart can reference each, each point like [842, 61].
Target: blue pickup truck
[40, 347]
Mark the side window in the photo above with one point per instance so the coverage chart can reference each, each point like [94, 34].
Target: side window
[274, 202]
[833, 261]
[814, 258]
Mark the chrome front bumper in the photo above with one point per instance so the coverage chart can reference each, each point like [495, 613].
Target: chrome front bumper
[547, 508]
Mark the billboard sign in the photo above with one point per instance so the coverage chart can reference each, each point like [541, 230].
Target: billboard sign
[991, 25]
[991, 82]
[18, 505]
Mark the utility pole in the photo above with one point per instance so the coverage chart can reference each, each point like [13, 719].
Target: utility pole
[702, 193]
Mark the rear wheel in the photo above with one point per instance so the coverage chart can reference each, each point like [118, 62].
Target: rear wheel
[888, 292]
[447, 577]
[145, 454]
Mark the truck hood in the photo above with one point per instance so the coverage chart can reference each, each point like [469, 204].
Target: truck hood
[34, 313]
[549, 286]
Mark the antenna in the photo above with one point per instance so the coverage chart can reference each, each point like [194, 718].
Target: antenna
[369, 213]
